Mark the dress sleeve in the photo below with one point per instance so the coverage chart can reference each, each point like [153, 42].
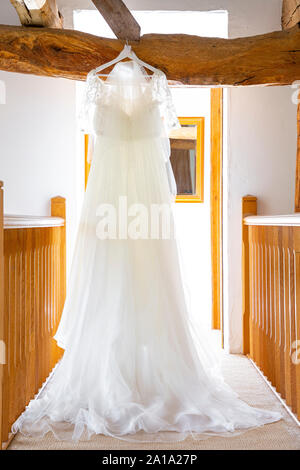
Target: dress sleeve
[167, 109]
[162, 95]
[91, 95]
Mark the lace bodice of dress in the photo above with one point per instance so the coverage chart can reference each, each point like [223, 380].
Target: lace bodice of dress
[128, 103]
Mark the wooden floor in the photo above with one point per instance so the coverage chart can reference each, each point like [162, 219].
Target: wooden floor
[242, 376]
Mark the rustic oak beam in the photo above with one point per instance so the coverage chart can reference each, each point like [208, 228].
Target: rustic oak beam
[119, 18]
[38, 13]
[268, 59]
[290, 13]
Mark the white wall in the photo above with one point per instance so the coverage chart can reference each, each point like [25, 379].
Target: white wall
[38, 142]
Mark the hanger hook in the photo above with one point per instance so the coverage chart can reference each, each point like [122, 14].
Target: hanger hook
[127, 47]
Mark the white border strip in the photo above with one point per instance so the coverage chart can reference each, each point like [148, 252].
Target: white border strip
[14, 221]
[275, 392]
[290, 220]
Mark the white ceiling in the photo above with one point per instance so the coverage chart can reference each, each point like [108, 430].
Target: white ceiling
[197, 5]
[75, 4]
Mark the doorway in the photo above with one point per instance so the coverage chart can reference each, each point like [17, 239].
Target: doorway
[198, 213]
[203, 220]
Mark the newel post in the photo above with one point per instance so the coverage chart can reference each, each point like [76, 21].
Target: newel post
[249, 207]
[58, 209]
[2, 343]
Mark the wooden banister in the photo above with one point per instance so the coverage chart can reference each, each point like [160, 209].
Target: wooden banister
[249, 207]
[271, 291]
[32, 295]
[296, 346]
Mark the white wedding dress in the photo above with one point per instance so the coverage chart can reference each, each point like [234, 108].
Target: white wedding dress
[131, 368]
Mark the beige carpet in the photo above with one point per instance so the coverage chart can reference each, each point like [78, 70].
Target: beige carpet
[241, 375]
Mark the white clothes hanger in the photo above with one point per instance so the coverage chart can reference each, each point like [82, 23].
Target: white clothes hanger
[127, 52]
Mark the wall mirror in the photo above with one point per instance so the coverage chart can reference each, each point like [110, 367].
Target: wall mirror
[187, 159]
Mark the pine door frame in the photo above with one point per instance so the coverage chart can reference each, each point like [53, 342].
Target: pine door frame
[216, 206]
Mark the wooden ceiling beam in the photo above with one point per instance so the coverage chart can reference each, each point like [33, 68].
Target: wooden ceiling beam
[290, 13]
[38, 13]
[268, 59]
[119, 18]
